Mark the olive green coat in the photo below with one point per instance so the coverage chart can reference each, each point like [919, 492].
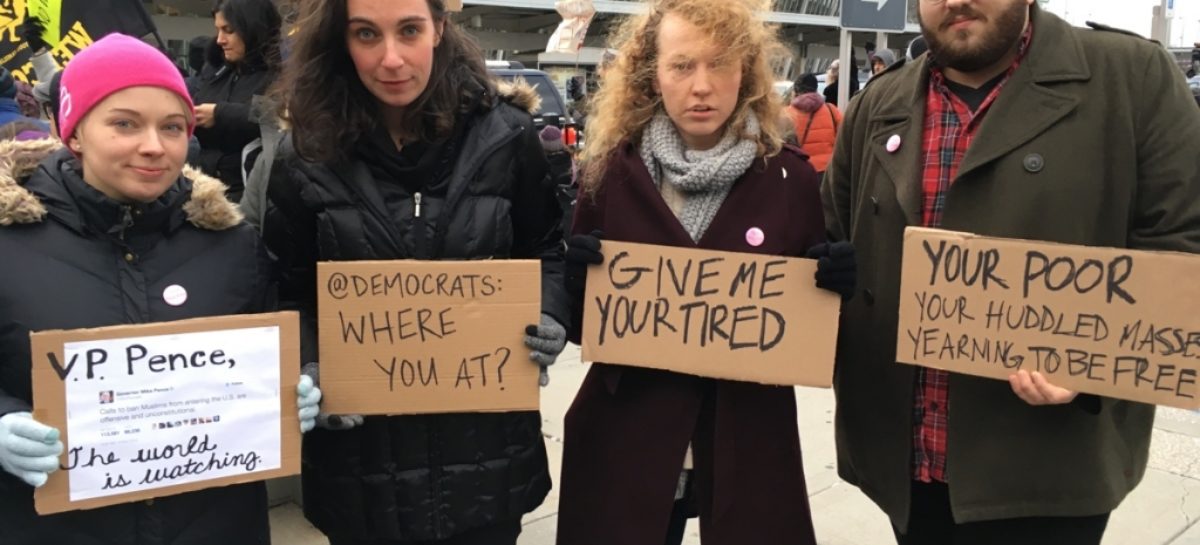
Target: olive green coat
[1095, 140]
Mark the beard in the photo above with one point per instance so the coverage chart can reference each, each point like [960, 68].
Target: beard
[950, 48]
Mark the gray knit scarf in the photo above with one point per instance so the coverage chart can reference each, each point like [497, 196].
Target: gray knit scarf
[704, 177]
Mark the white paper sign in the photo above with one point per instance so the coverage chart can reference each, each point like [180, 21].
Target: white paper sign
[172, 409]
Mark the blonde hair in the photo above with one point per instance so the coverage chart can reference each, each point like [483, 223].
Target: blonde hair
[831, 74]
[627, 101]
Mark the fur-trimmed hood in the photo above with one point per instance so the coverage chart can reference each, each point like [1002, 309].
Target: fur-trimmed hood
[206, 207]
[519, 93]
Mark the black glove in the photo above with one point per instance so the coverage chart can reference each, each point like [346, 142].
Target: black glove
[31, 31]
[837, 267]
[582, 250]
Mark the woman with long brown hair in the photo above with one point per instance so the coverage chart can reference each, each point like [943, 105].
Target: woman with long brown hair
[401, 147]
[248, 37]
[684, 150]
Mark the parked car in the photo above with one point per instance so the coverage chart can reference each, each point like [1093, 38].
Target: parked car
[553, 105]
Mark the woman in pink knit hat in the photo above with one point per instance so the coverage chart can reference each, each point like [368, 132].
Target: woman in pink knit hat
[108, 227]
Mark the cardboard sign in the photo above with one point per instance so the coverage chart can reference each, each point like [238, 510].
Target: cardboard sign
[154, 410]
[411, 337]
[1112, 322]
[727, 315]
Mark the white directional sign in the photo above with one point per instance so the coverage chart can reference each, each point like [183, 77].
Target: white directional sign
[875, 15]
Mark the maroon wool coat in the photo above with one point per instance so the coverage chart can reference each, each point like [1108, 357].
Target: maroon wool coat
[628, 428]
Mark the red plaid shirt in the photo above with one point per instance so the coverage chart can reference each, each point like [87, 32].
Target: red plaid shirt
[950, 126]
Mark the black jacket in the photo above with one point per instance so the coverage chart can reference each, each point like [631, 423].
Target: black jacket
[231, 89]
[69, 268]
[425, 477]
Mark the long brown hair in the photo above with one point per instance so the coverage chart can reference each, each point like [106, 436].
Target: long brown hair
[627, 100]
[257, 23]
[322, 99]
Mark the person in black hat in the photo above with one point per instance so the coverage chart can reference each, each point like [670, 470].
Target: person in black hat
[812, 122]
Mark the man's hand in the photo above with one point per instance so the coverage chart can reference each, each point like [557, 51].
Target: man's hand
[1035, 390]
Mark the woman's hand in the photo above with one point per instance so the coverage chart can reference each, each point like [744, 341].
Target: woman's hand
[546, 340]
[837, 267]
[206, 115]
[582, 252]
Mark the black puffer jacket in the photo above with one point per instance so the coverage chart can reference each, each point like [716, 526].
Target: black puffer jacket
[427, 477]
[68, 268]
[231, 89]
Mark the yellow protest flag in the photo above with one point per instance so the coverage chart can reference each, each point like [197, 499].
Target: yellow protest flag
[49, 12]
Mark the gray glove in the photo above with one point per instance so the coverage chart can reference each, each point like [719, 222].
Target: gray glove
[336, 422]
[28, 448]
[547, 340]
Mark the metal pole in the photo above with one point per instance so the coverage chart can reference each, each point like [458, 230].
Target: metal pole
[846, 70]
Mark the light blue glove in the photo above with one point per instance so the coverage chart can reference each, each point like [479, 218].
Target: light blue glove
[547, 339]
[28, 448]
[336, 422]
[308, 396]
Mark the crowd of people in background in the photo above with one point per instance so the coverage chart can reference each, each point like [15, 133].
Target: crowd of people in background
[372, 130]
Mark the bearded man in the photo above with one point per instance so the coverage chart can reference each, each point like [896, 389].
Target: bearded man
[1013, 125]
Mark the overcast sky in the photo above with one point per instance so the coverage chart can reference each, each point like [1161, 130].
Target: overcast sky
[1135, 15]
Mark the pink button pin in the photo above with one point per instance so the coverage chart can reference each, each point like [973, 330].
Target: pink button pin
[893, 143]
[755, 236]
[175, 295]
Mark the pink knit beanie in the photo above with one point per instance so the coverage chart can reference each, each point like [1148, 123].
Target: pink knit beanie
[111, 64]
